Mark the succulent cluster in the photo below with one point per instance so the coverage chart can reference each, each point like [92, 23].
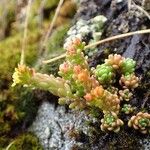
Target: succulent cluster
[13, 104]
[28, 77]
[111, 122]
[81, 87]
[127, 109]
[129, 81]
[125, 94]
[140, 122]
[117, 65]
[104, 73]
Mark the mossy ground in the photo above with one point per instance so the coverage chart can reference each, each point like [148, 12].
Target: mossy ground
[18, 106]
[10, 54]
[55, 48]
[26, 141]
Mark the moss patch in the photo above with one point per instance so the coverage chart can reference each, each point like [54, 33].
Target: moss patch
[27, 141]
[55, 48]
[10, 54]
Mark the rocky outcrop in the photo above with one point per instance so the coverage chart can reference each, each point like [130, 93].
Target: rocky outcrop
[61, 129]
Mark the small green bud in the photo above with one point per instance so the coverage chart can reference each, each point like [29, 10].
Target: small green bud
[128, 66]
[144, 122]
[109, 119]
[127, 109]
[104, 73]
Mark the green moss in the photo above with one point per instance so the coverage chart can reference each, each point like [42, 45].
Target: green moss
[10, 54]
[27, 141]
[9, 113]
[48, 4]
[55, 42]
[26, 103]
[17, 106]
[9, 9]
[19, 103]
[55, 48]
[68, 9]
[4, 141]
[4, 128]
[9, 116]
[51, 3]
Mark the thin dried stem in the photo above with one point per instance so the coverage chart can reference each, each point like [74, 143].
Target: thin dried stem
[25, 32]
[118, 37]
[142, 10]
[129, 4]
[45, 38]
[54, 59]
[40, 12]
[101, 42]
[8, 147]
[3, 17]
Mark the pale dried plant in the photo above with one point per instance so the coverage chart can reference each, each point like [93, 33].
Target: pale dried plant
[101, 42]
[45, 38]
[24, 41]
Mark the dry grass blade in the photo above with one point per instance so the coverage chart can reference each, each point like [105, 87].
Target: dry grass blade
[45, 38]
[118, 37]
[129, 4]
[8, 147]
[25, 32]
[54, 59]
[102, 41]
[142, 10]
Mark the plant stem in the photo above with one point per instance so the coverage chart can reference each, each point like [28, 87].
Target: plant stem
[45, 38]
[142, 10]
[22, 59]
[101, 42]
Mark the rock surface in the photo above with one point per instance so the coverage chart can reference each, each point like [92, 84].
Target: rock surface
[52, 126]
[61, 129]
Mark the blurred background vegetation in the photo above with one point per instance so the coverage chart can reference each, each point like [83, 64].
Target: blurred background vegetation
[15, 103]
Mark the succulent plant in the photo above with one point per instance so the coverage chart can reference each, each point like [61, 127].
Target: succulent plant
[22, 75]
[128, 66]
[113, 90]
[104, 73]
[83, 88]
[26, 76]
[103, 99]
[114, 60]
[111, 122]
[140, 122]
[129, 81]
[125, 94]
[66, 71]
[127, 109]
[78, 104]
